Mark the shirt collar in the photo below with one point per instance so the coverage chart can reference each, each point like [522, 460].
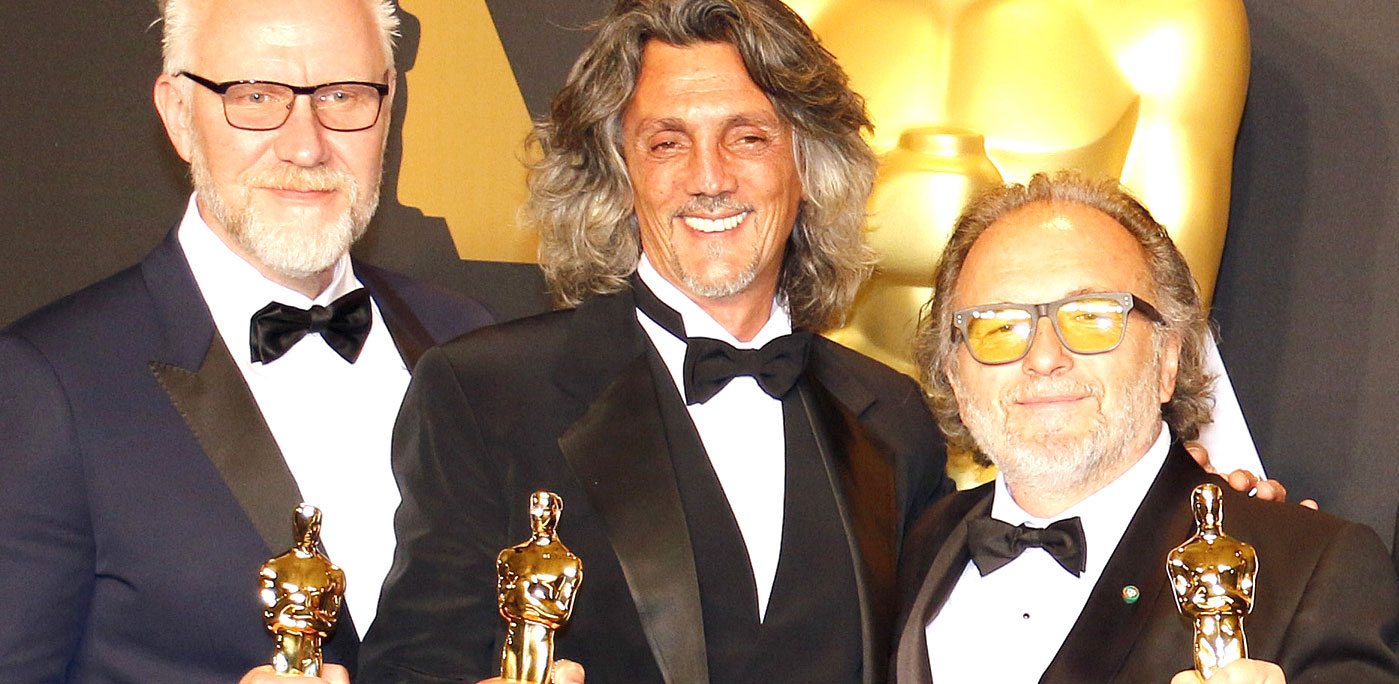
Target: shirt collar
[698, 322]
[1105, 513]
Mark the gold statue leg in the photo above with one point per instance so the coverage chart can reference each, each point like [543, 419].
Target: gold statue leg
[528, 654]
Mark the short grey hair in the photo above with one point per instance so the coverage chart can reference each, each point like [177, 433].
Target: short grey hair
[178, 28]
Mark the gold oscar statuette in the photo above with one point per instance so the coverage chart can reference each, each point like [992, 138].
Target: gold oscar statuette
[535, 585]
[301, 594]
[1213, 576]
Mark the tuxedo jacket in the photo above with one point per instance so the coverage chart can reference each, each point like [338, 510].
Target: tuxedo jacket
[571, 402]
[140, 489]
[1326, 607]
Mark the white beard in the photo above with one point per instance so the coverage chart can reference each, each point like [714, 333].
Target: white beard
[292, 248]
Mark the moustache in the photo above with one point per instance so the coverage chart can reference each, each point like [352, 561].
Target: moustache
[302, 179]
[708, 204]
[1051, 387]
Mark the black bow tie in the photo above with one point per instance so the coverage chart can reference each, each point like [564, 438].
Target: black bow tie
[710, 364]
[994, 543]
[344, 325]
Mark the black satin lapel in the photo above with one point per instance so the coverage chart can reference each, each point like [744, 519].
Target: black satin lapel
[409, 334]
[618, 450]
[1098, 647]
[948, 563]
[175, 297]
[866, 494]
[221, 412]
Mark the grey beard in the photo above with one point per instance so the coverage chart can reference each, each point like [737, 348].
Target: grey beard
[727, 287]
[1066, 466]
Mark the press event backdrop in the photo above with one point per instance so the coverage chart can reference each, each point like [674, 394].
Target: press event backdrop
[1306, 301]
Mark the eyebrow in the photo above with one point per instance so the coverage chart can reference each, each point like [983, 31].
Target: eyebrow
[671, 123]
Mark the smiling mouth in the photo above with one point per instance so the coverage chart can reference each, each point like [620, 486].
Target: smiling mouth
[714, 225]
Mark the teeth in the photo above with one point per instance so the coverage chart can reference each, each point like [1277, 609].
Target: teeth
[705, 225]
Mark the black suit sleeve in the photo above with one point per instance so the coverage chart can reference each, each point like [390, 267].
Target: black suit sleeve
[928, 480]
[437, 614]
[1346, 625]
[46, 546]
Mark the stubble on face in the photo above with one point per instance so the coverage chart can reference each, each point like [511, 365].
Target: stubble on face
[712, 285]
[1039, 458]
[300, 246]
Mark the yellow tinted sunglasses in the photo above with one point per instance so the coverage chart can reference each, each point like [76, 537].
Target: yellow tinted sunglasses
[1091, 323]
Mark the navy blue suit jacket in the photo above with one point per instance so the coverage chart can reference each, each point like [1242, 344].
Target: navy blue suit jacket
[139, 486]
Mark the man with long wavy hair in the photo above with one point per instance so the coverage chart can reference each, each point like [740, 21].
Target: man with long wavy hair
[736, 486]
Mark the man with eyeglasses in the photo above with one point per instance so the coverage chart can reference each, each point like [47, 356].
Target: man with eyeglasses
[1064, 340]
[160, 427]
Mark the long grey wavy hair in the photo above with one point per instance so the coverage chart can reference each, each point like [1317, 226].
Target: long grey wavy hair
[580, 197]
[1176, 296]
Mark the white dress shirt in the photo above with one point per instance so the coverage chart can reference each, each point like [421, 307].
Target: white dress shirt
[332, 420]
[740, 427]
[1031, 603]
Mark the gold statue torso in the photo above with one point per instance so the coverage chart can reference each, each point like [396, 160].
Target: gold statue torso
[1148, 92]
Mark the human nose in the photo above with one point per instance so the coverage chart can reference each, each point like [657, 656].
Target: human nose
[1047, 354]
[301, 139]
[709, 172]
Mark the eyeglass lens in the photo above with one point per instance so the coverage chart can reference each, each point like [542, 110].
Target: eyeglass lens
[338, 106]
[1085, 326]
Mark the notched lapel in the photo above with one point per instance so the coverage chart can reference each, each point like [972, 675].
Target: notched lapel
[619, 452]
[220, 410]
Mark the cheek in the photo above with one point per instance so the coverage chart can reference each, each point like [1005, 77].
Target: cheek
[650, 184]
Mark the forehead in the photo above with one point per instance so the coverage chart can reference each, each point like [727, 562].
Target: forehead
[695, 84]
[299, 41]
[1045, 251]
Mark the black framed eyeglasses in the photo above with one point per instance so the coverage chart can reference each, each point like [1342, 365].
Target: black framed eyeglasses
[265, 105]
[1092, 323]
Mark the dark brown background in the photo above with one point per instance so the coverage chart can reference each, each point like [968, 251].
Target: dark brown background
[1307, 292]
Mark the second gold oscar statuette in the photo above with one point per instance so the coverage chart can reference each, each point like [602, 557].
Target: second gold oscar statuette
[536, 581]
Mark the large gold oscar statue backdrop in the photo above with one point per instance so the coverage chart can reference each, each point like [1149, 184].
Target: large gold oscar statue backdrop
[964, 93]
[464, 131]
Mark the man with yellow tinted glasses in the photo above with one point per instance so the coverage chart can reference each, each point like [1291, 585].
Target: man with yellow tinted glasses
[1065, 342]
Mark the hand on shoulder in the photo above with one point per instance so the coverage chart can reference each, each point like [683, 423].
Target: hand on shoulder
[1243, 480]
